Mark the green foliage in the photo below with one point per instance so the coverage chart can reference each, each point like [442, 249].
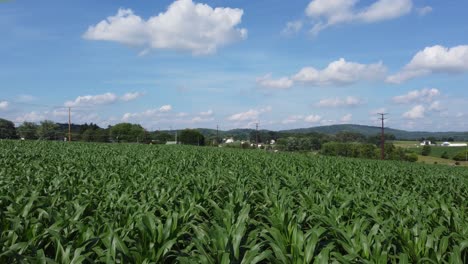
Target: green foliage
[346, 136]
[126, 132]
[462, 156]
[7, 129]
[127, 203]
[426, 150]
[191, 137]
[161, 137]
[48, 130]
[28, 130]
[366, 151]
[445, 155]
[299, 144]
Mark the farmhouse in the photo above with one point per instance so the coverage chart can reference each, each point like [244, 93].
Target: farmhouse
[425, 143]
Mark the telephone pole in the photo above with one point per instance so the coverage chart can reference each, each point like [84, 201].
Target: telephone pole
[256, 134]
[382, 136]
[69, 124]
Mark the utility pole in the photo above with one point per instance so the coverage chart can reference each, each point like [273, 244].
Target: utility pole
[382, 136]
[69, 124]
[256, 134]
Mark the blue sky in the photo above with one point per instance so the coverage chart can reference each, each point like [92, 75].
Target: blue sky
[285, 64]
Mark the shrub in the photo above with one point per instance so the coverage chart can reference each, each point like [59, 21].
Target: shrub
[426, 150]
[445, 155]
[412, 157]
[461, 156]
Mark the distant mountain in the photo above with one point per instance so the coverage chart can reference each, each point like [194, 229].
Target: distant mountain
[372, 130]
[334, 129]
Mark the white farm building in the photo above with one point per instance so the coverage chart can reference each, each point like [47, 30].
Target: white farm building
[448, 144]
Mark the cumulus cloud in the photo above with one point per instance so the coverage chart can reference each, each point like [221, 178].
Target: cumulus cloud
[422, 11]
[340, 72]
[31, 117]
[292, 27]
[4, 105]
[267, 82]
[185, 26]
[131, 96]
[207, 113]
[423, 95]
[201, 119]
[349, 101]
[150, 113]
[312, 118]
[435, 59]
[347, 118]
[416, 112]
[250, 115]
[328, 13]
[292, 119]
[436, 106]
[92, 100]
[101, 99]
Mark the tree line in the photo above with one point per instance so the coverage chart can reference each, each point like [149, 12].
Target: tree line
[122, 132]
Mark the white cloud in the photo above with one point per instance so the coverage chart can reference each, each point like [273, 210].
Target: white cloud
[185, 26]
[416, 112]
[312, 118]
[340, 72]
[200, 119]
[327, 13]
[250, 115]
[165, 108]
[150, 113]
[207, 113]
[422, 11]
[349, 101]
[436, 106]
[267, 82]
[292, 27]
[4, 105]
[292, 119]
[25, 98]
[31, 117]
[378, 111]
[347, 118]
[423, 95]
[92, 100]
[435, 59]
[131, 96]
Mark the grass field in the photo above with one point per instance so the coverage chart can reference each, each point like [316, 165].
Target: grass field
[435, 160]
[437, 151]
[119, 203]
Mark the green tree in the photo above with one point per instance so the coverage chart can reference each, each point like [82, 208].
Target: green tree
[161, 137]
[346, 136]
[7, 129]
[126, 132]
[28, 130]
[48, 130]
[191, 137]
[426, 150]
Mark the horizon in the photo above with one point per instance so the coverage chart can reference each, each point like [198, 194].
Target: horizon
[236, 63]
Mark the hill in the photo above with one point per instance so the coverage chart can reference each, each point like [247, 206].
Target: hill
[334, 129]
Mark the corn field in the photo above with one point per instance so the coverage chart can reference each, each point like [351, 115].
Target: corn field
[118, 203]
